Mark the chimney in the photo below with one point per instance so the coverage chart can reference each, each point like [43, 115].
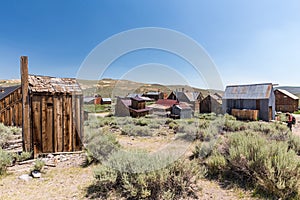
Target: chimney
[2, 90]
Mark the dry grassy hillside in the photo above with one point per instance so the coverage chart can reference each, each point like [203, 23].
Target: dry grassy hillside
[111, 88]
[6, 83]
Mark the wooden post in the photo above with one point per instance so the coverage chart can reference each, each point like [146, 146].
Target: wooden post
[26, 135]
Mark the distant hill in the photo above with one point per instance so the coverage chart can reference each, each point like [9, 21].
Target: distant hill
[112, 87]
[6, 83]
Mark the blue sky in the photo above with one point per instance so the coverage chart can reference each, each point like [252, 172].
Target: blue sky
[249, 41]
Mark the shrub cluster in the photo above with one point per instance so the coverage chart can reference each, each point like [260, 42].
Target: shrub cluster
[263, 156]
[177, 180]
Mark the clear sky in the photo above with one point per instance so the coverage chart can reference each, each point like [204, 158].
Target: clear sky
[249, 41]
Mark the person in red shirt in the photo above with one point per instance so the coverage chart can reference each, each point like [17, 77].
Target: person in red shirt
[289, 120]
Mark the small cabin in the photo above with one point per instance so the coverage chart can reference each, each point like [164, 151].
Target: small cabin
[211, 104]
[239, 100]
[286, 101]
[52, 113]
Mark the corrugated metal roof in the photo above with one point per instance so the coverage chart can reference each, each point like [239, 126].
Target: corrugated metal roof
[255, 91]
[4, 91]
[53, 85]
[166, 102]
[287, 93]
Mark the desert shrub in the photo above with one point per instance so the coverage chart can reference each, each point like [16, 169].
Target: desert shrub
[99, 145]
[23, 156]
[38, 165]
[294, 143]
[203, 124]
[173, 125]
[5, 160]
[251, 157]
[133, 130]
[6, 133]
[203, 149]
[141, 122]
[207, 116]
[154, 125]
[174, 181]
[124, 120]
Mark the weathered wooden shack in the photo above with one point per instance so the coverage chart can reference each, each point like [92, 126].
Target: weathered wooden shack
[192, 98]
[181, 111]
[138, 107]
[154, 95]
[211, 104]
[52, 113]
[11, 106]
[286, 101]
[251, 97]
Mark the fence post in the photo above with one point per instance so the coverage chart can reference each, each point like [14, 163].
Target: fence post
[25, 104]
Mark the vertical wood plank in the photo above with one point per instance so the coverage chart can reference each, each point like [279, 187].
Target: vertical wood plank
[25, 104]
[66, 120]
[43, 124]
[36, 125]
[58, 129]
[49, 124]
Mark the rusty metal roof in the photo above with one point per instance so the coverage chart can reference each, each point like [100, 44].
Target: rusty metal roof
[254, 91]
[49, 84]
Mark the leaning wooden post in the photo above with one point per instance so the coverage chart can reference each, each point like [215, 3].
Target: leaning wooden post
[25, 105]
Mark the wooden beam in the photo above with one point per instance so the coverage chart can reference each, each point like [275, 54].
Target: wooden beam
[25, 104]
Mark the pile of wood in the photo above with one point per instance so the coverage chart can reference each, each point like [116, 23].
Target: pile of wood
[251, 115]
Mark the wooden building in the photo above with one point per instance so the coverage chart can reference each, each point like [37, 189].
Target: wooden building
[286, 101]
[192, 98]
[254, 97]
[181, 111]
[138, 107]
[11, 106]
[134, 107]
[52, 113]
[154, 95]
[211, 104]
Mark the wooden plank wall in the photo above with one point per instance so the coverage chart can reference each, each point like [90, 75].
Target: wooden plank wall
[245, 114]
[56, 123]
[11, 109]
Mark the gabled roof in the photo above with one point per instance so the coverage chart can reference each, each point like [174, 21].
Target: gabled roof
[137, 98]
[186, 96]
[215, 97]
[53, 85]
[255, 91]
[4, 91]
[287, 93]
